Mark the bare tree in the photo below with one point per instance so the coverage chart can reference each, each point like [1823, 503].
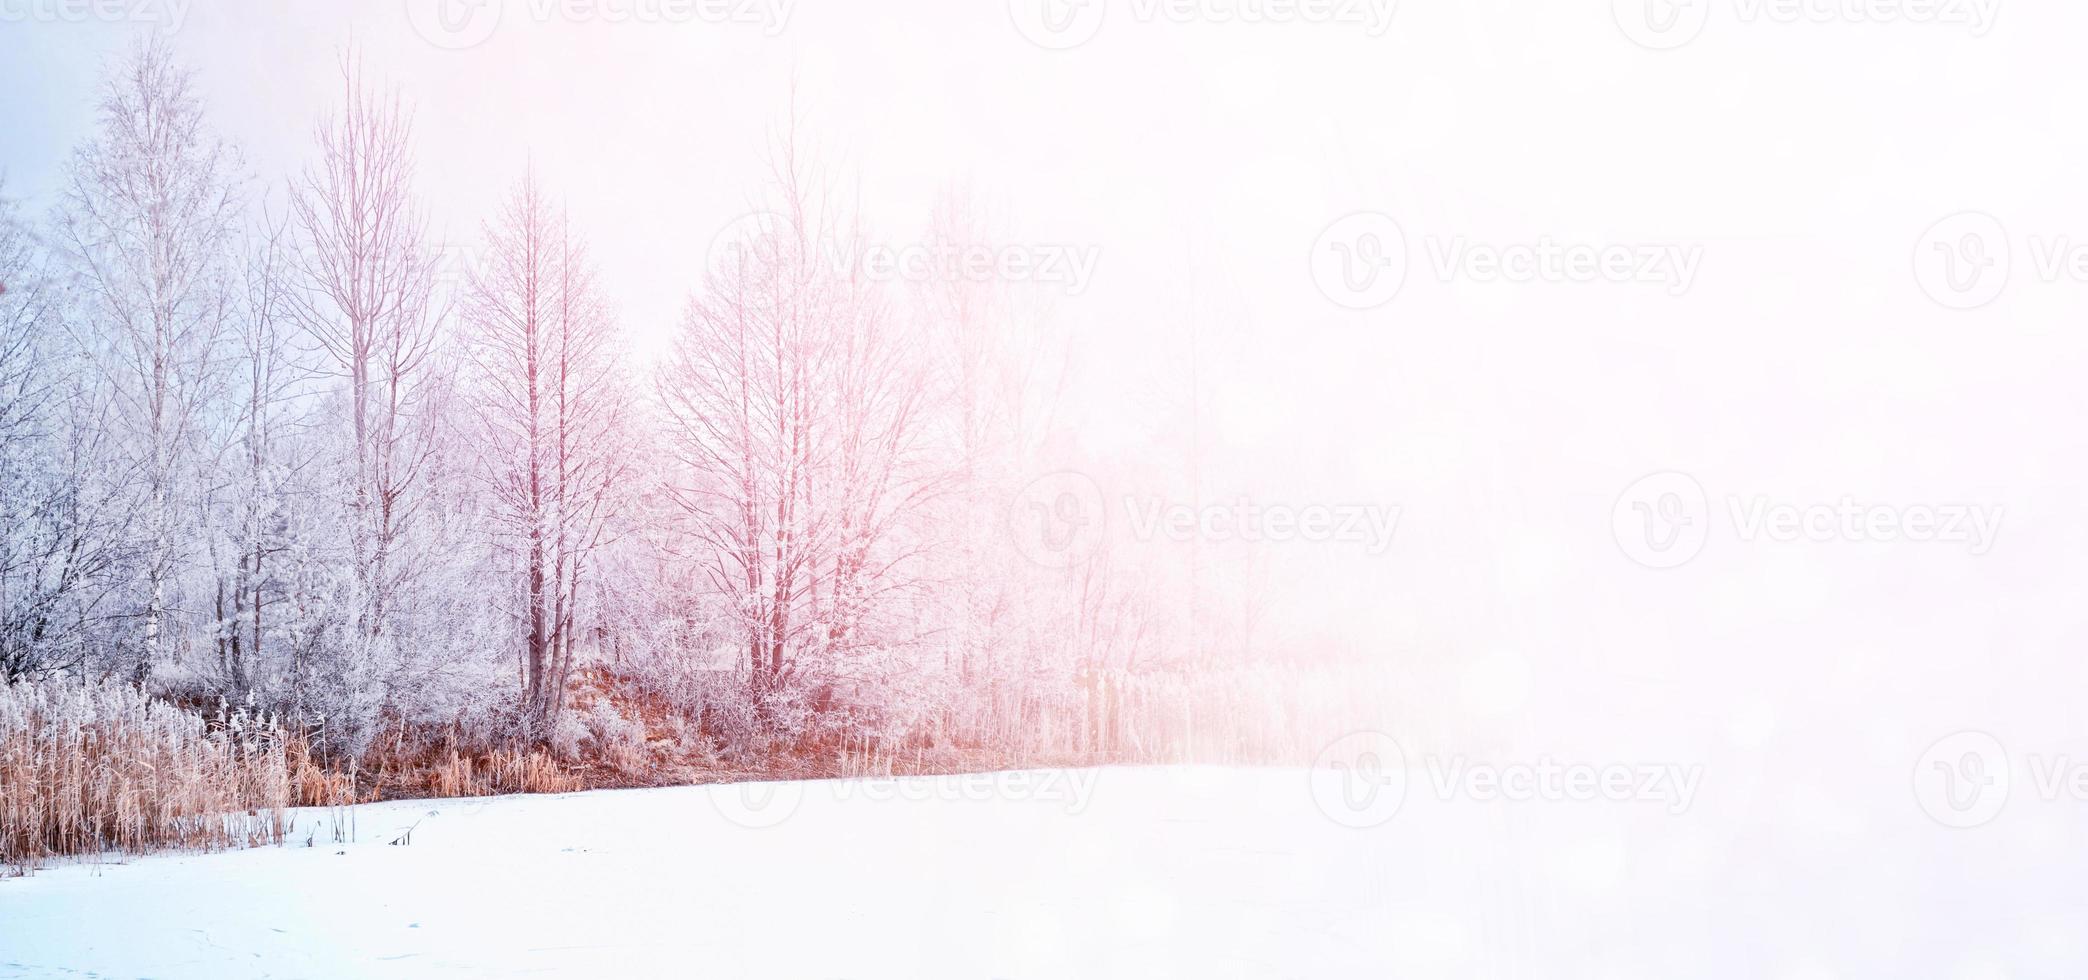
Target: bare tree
[261, 458]
[998, 376]
[149, 206]
[738, 393]
[554, 415]
[797, 418]
[883, 474]
[370, 302]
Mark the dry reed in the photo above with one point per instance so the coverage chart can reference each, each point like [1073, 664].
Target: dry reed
[496, 772]
[86, 769]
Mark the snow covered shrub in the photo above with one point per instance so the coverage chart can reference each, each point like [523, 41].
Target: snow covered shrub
[682, 743]
[871, 696]
[567, 735]
[597, 730]
[613, 738]
[746, 732]
[720, 720]
[88, 768]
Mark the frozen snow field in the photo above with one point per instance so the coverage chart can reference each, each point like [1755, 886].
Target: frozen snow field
[1131, 872]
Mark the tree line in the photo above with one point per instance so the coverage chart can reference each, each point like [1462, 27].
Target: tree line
[284, 456]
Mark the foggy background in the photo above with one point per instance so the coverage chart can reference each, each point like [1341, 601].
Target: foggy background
[1202, 160]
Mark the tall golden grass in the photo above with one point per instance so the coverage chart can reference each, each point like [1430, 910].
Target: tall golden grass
[87, 769]
[499, 771]
[442, 761]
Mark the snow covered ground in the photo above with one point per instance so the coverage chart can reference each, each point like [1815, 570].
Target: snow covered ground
[1139, 872]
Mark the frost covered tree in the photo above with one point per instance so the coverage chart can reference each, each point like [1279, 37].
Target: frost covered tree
[26, 316]
[882, 473]
[554, 416]
[150, 204]
[264, 465]
[273, 460]
[367, 295]
[796, 416]
[998, 375]
[61, 532]
[741, 392]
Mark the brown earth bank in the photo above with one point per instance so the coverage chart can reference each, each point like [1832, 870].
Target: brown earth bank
[663, 748]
